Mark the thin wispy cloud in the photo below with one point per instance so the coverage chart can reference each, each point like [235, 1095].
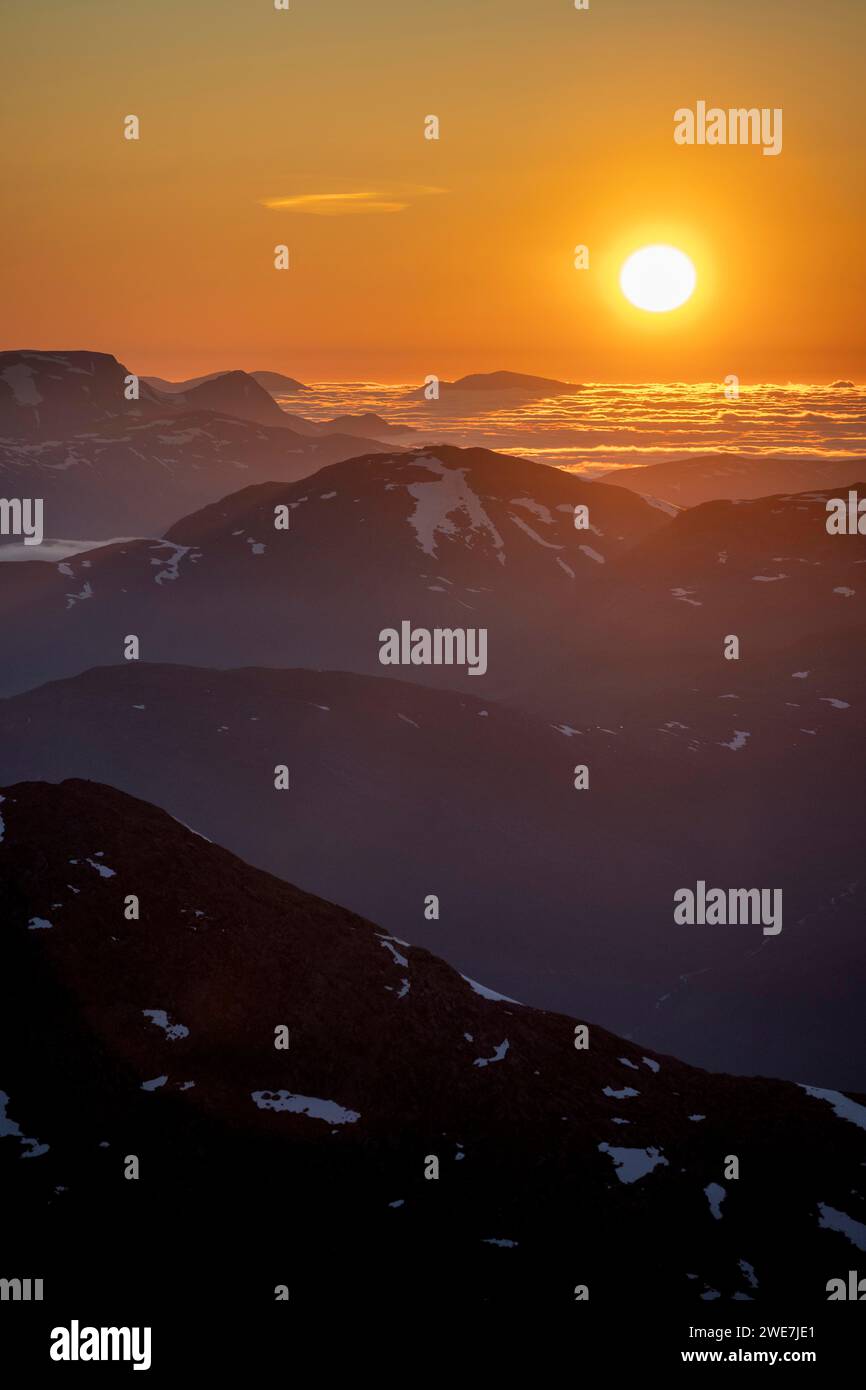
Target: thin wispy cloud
[394, 199]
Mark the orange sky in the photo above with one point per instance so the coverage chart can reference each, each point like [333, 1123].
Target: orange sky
[447, 256]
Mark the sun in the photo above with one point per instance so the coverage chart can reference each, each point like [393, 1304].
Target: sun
[658, 278]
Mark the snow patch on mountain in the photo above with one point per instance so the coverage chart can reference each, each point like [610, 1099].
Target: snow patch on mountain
[592, 554]
[160, 1018]
[191, 831]
[489, 993]
[86, 592]
[667, 507]
[317, 1109]
[170, 565]
[533, 535]
[102, 869]
[498, 1054]
[633, 1164]
[10, 1130]
[437, 501]
[843, 1106]
[832, 1220]
[20, 381]
[536, 508]
[683, 595]
[740, 739]
[388, 943]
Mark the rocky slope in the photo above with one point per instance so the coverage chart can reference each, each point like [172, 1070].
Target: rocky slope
[154, 1038]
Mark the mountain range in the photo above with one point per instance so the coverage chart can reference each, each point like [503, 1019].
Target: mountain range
[581, 622]
[276, 383]
[486, 1147]
[561, 898]
[106, 466]
[440, 536]
[495, 383]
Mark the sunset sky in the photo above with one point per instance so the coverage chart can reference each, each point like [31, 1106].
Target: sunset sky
[445, 256]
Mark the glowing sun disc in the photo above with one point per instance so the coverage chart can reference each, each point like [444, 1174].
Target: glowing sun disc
[658, 278]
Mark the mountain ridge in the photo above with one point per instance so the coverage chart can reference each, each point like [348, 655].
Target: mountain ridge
[162, 1042]
[399, 790]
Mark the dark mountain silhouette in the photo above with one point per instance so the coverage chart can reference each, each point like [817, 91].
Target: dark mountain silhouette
[495, 382]
[233, 393]
[164, 386]
[154, 1037]
[691, 481]
[55, 395]
[369, 425]
[274, 382]
[278, 383]
[51, 396]
[560, 898]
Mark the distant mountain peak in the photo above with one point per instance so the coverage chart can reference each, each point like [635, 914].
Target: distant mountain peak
[233, 393]
[275, 383]
[278, 383]
[495, 382]
[367, 425]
